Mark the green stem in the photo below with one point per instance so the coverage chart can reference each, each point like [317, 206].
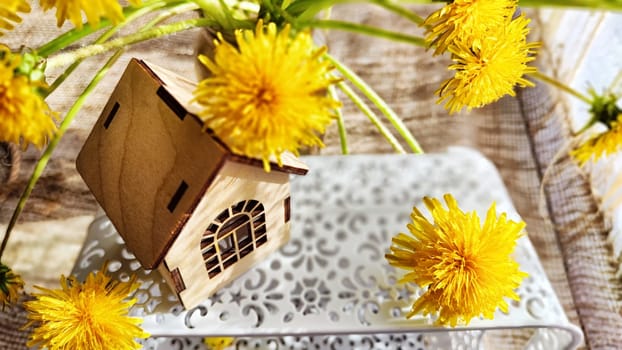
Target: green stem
[132, 16]
[171, 11]
[558, 84]
[365, 30]
[289, 18]
[70, 37]
[343, 141]
[73, 111]
[399, 10]
[591, 4]
[96, 49]
[379, 102]
[218, 12]
[228, 17]
[305, 10]
[45, 157]
[327, 13]
[587, 4]
[616, 82]
[360, 104]
[61, 78]
[587, 125]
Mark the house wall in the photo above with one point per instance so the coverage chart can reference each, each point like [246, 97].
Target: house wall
[235, 182]
[146, 161]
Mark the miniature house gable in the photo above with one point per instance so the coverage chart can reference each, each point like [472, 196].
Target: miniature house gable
[180, 199]
[243, 217]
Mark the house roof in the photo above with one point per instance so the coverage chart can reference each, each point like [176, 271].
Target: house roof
[181, 90]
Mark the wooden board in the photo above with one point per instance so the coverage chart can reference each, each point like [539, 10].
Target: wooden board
[235, 182]
[182, 90]
[147, 163]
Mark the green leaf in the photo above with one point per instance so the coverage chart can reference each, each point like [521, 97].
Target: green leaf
[306, 10]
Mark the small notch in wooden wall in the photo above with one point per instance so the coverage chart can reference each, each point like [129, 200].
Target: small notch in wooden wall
[178, 281]
[111, 115]
[171, 102]
[183, 186]
[288, 209]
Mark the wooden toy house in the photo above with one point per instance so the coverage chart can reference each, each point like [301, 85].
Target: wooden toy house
[181, 200]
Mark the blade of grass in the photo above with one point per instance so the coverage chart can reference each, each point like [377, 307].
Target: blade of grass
[343, 141]
[384, 108]
[363, 29]
[157, 32]
[360, 104]
[45, 157]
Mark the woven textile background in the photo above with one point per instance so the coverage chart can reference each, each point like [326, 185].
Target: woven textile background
[522, 136]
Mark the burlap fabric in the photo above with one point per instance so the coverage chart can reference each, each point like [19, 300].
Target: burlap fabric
[13, 336]
[523, 136]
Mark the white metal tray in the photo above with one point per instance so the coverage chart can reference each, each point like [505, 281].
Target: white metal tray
[330, 286]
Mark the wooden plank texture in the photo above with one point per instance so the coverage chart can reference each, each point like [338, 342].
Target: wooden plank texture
[235, 182]
[136, 167]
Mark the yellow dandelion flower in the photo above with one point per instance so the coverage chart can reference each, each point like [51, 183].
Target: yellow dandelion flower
[10, 286]
[268, 94]
[218, 343]
[26, 117]
[466, 268]
[466, 20]
[93, 315]
[9, 10]
[485, 74]
[94, 10]
[600, 145]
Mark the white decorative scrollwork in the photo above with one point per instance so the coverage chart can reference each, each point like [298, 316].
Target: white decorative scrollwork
[331, 279]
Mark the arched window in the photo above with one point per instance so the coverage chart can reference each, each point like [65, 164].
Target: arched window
[236, 231]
